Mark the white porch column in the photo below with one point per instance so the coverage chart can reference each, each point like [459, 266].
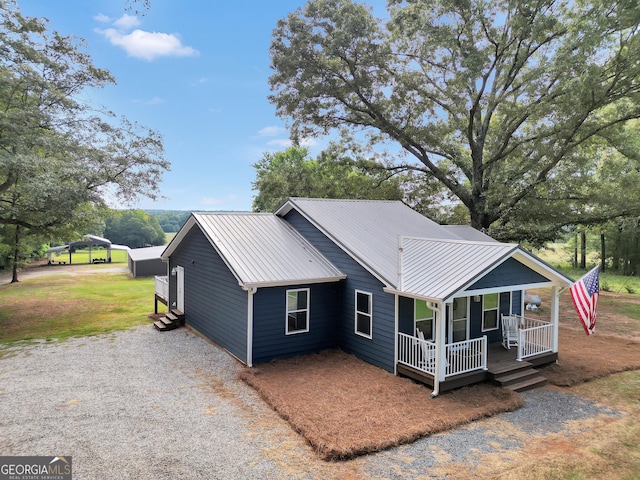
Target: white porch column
[440, 322]
[555, 306]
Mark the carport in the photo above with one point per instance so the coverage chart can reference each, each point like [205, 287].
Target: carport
[87, 241]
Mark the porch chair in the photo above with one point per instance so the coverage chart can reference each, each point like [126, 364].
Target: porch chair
[509, 331]
[428, 355]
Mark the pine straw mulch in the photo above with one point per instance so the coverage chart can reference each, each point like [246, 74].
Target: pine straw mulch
[345, 407]
[582, 358]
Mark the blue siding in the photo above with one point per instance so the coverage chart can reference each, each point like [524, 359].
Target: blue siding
[379, 350]
[214, 303]
[509, 273]
[406, 320]
[269, 338]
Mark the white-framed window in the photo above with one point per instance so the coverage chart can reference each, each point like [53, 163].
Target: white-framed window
[423, 317]
[364, 314]
[490, 306]
[297, 311]
[459, 320]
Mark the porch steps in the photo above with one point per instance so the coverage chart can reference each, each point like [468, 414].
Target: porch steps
[517, 376]
[170, 321]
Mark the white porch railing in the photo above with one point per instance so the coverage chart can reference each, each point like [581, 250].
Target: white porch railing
[462, 357]
[534, 337]
[162, 287]
[466, 356]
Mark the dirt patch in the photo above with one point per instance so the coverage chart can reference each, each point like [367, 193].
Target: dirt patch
[345, 407]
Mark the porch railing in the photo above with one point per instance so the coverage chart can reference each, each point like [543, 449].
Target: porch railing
[535, 338]
[162, 287]
[461, 357]
[466, 356]
[416, 353]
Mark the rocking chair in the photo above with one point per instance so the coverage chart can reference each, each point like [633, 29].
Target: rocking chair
[510, 334]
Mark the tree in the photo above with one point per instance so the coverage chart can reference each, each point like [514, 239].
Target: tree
[491, 98]
[134, 228]
[293, 173]
[60, 157]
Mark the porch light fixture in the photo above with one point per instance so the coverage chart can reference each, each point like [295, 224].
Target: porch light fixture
[476, 298]
[174, 271]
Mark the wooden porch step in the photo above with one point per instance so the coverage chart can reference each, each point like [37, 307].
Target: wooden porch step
[528, 384]
[171, 317]
[520, 379]
[165, 324]
[507, 367]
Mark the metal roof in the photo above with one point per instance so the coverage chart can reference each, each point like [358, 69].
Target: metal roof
[467, 232]
[436, 269]
[146, 253]
[260, 249]
[368, 230]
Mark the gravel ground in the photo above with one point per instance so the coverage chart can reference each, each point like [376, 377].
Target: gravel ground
[141, 404]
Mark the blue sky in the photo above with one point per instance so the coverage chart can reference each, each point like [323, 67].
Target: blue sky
[197, 72]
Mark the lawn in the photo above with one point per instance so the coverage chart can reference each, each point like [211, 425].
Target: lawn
[61, 306]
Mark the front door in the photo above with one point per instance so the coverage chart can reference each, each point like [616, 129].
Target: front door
[459, 320]
[180, 288]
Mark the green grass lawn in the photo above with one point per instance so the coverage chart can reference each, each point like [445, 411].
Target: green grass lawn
[65, 306]
[82, 256]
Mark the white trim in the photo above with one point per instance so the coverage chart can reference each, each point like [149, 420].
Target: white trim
[250, 293]
[370, 314]
[511, 288]
[307, 309]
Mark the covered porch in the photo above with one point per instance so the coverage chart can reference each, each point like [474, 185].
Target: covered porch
[476, 360]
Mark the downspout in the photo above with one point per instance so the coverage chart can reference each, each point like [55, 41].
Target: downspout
[251, 292]
[440, 348]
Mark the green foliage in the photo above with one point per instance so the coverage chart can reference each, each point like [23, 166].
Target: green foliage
[293, 174]
[134, 228]
[58, 154]
[503, 102]
[170, 220]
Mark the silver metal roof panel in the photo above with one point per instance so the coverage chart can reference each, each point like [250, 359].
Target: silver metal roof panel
[262, 249]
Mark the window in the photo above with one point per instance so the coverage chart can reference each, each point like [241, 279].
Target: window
[364, 313]
[459, 320]
[490, 312]
[297, 311]
[423, 317]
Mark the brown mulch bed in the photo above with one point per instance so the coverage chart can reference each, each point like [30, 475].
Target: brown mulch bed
[345, 407]
[583, 358]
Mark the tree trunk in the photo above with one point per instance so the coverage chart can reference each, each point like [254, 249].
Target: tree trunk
[16, 255]
[583, 250]
[603, 252]
[575, 252]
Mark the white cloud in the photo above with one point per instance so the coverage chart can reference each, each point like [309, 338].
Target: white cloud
[142, 44]
[102, 18]
[271, 131]
[126, 22]
[151, 101]
[279, 142]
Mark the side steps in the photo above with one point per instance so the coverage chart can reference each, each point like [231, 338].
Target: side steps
[170, 321]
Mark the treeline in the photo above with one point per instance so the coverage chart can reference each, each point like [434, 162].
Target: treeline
[170, 220]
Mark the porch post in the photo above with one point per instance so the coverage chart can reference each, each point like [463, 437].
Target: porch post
[439, 374]
[555, 306]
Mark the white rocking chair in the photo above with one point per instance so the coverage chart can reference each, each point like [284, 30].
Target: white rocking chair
[510, 333]
[428, 355]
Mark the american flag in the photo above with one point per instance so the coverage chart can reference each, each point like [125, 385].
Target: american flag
[585, 298]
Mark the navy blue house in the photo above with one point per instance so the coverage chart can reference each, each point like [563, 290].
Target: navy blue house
[374, 278]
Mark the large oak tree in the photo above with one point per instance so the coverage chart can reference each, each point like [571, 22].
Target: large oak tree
[493, 98]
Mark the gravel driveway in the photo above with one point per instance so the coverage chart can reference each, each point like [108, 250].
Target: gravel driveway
[141, 404]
